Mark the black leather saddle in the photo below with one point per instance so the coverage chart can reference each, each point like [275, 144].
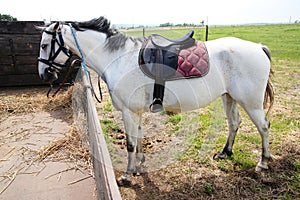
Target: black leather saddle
[158, 59]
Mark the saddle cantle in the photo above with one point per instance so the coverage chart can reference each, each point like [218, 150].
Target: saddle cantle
[162, 42]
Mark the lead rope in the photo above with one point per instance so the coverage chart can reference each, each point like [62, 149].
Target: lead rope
[85, 67]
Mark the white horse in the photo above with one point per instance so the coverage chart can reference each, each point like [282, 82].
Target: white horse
[239, 74]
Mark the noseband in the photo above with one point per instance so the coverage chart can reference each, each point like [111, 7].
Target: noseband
[54, 66]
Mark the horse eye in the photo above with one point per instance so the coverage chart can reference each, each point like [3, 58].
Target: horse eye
[43, 46]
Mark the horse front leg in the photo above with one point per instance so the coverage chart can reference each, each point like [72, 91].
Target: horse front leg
[140, 158]
[134, 136]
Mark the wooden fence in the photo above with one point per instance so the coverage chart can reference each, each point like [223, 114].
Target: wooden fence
[19, 42]
[85, 110]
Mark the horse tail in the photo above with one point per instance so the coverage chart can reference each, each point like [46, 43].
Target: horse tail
[267, 51]
[269, 93]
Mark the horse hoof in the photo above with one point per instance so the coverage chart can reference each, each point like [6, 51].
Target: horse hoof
[124, 181]
[261, 167]
[136, 174]
[218, 156]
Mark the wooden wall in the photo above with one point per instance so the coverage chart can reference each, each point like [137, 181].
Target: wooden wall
[19, 50]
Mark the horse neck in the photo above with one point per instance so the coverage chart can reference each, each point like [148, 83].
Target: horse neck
[90, 45]
[101, 53]
[97, 51]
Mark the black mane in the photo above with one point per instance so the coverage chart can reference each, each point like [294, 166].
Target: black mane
[100, 24]
[115, 39]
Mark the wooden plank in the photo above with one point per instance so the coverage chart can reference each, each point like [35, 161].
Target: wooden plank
[5, 60]
[19, 51]
[29, 78]
[19, 26]
[28, 44]
[9, 69]
[20, 80]
[5, 48]
[105, 178]
[27, 60]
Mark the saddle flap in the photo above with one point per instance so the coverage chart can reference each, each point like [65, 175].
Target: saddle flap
[159, 62]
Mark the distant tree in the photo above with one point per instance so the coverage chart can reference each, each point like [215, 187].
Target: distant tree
[166, 24]
[5, 17]
[297, 22]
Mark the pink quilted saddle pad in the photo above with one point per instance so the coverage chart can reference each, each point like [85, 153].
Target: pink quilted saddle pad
[193, 61]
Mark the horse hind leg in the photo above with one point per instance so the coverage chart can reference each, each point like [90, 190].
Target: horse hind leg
[263, 125]
[233, 120]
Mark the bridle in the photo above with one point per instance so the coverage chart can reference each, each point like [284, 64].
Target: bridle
[54, 66]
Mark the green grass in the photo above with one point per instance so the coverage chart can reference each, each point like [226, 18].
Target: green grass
[175, 120]
[108, 106]
[282, 39]
[108, 126]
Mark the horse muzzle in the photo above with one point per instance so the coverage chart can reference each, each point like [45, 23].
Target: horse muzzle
[50, 75]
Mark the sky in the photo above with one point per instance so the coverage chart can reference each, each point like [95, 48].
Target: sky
[213, 12]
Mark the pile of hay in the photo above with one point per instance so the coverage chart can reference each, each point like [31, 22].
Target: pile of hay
[71, 147]
[18, 101]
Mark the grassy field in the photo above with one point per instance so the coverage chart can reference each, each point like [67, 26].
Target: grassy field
[282, 39]
[282, 181]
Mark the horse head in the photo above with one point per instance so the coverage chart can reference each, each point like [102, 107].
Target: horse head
[53, 53]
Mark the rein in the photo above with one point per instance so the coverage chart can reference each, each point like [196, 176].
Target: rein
[64, 81]
[85, 67]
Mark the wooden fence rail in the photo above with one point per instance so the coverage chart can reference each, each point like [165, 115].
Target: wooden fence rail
[104, 175]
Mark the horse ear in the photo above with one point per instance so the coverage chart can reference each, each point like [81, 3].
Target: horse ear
[55, 26]
[39, 28]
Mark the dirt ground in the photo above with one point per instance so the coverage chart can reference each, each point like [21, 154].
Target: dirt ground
[26, 127]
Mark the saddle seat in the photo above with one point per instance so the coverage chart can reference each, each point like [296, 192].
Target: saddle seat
[162, 42]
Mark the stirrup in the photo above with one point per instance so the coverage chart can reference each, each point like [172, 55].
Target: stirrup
[156, 106]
